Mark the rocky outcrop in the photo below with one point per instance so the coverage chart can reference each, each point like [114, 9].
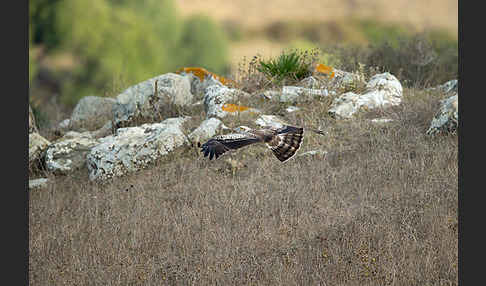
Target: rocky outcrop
[345, 105]
[382, 90]
[133, 148]
[343, 80]
[206, 129]
[198, 86]
[216, 96]
[91, 113]
[142, 102]
[448, 87]
[291, 109]
[446, 119]
[37, 145]
[38, 183]
[69, 153]
[299, 94]
[270, 121]
[313, 153]
[121, 144]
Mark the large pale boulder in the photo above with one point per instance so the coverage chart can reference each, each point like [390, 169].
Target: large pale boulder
[299, 94]
[69, 153]
[345, 105]
[270, 121]
[91, 112]
[385, 83]
[447, 118]
[382, 90]
[142, 102]
[217, 95]
[310, 82]
[206, 130]
[37, 146]
[343, 80]
[198, 86]
[133, 148]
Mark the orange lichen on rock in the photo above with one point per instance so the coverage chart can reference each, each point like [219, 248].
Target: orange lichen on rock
[202, 73]
[325, 70]
[229, 107]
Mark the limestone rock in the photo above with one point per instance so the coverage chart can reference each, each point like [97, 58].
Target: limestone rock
[197, 86]
[207, 129]
[386, 83]
[446, 120]
[295, 93]
[91, 113]
[270, 121]
[141, 101]
[381, 120]
[37, 145]
[342, 80]
[448, 87]
[133, 148]
[104, 131]
[64, 125]
[345, 105]
[215, 96]
[309, 82]
[292, 108]
[383, 90]
[271, 94]
[38, 183]
[69, 153]
[313, 153]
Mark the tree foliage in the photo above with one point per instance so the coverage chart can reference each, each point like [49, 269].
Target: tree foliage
[203, 44]
[129, 41]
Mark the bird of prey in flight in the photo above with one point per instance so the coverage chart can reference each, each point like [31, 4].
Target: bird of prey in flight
[284, 141]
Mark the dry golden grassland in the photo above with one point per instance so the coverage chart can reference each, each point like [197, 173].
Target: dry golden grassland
[380, 208]
[333, 19]
[256, 13]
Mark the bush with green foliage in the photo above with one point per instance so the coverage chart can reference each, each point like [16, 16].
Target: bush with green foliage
[120, 43]
[204, 44]
[292, 65]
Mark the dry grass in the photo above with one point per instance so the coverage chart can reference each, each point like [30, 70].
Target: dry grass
[332, 20]
[379, 209]
[255, 13]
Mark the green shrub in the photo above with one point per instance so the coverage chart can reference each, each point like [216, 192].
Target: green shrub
[43, 24]
[204, 44]
[113, 42]
[378, 33]
[118, 43]
[292, 65]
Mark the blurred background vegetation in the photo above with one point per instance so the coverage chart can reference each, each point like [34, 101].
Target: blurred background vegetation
[100, 47]
[97, 47]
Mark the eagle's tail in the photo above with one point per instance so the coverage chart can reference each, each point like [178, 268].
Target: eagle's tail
[289, 141]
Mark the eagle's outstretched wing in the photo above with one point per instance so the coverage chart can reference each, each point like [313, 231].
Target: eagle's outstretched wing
[218, 145]
[284, 142]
